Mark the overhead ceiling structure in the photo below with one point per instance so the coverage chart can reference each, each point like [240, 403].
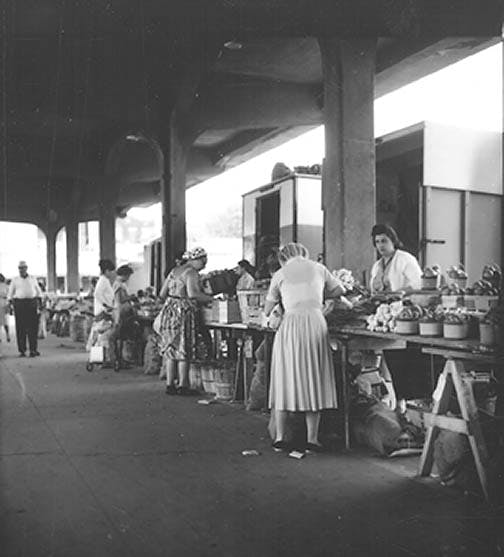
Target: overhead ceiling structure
[88, 84]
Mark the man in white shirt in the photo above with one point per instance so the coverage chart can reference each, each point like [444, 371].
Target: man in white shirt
[103, 292]
[25, 294]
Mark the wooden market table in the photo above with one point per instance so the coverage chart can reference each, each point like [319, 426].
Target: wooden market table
[461, 357]
[346, 338]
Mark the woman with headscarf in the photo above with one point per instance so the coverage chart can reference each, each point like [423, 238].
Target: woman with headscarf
[180, 319]
[302, 375]
[396, 269]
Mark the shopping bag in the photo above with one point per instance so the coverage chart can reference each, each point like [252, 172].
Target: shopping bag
[96, 354]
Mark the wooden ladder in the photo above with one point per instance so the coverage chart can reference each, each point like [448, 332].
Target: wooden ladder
[455, 378]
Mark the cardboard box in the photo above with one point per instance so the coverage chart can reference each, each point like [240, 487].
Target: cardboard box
[480, 303]
[222, 311]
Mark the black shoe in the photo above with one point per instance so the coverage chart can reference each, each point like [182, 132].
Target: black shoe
[32, 354]
[171, 390]
[314, 448]
[35, 353]
[185, 391]
[281, 446]
[22, 355]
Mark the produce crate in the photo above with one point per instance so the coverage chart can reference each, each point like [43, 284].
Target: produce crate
[222, 311]
[480, 303]
[251, 304]
[425, 298]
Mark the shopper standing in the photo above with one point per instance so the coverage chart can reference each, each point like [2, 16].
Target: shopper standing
[4, 306]
[180, 319]
[104, 292]
[25, 294]
[302, 375]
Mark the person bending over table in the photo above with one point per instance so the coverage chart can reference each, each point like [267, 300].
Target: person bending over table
[302, 374]
[180, 319]
[396, 270]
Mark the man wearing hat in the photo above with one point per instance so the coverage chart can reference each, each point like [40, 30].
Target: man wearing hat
[24, 294]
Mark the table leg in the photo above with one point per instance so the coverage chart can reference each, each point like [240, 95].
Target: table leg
[441, 402]
[345, 395]
[268, 341]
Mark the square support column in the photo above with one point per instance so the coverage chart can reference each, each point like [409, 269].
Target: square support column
[173, 192]
[348, 182]
[52, 280]
[502, 136]
[107, 223]
[72, 255]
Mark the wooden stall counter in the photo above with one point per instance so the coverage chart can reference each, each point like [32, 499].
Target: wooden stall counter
[461, 356]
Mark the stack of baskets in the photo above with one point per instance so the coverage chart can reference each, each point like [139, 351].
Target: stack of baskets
[217, 377]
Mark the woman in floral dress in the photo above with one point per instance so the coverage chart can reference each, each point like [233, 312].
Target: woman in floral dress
[180, 319]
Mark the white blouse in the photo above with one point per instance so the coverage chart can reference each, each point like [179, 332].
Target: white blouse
[401, 273]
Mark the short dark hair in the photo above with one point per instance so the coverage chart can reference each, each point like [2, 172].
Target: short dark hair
[388, 231]
[124, 271]
[2, 278]
[244, 264]
[106, 265]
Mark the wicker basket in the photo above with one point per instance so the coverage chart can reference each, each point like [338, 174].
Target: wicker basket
[406, 327]
[251, 305]
[207, 370]
[455, 331]
[224, 379]
[195, 379]
[431, 329]
[430, 283]
[488, 335]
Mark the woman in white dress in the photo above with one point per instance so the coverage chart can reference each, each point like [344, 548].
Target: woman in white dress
[302, 374]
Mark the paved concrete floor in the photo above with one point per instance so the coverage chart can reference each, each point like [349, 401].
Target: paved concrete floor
[105, 464]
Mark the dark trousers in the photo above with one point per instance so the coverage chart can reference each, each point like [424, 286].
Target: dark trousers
[25, 311]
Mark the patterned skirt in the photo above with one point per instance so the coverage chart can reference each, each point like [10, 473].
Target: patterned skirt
[182, 335]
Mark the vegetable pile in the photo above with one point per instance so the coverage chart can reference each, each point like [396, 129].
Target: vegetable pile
[384, 318]
[458, 316]
[433, 314]
[410, 313]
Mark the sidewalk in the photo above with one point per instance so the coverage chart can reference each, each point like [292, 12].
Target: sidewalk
[105, 464]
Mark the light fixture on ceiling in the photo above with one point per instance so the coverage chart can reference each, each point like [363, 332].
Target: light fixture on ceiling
[136, 136]
[233, 45]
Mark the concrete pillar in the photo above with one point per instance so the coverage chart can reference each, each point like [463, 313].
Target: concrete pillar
[51, 234]
[173, 191]
[348, 182]
[108, 218]
[72, 254]
[502, 199]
